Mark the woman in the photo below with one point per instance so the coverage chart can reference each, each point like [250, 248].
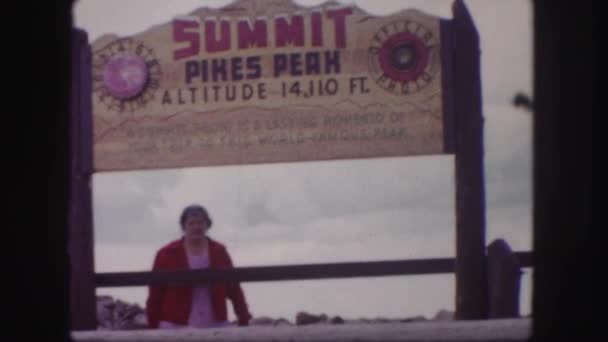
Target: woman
[201, 306]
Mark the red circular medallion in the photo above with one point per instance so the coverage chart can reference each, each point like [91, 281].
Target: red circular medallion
[403, 57]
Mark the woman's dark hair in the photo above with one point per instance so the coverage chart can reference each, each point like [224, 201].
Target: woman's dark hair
[194, 209]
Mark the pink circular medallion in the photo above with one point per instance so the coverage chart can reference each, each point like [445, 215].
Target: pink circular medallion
[125, 75]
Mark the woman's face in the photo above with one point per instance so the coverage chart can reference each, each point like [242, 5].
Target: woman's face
[195, 227]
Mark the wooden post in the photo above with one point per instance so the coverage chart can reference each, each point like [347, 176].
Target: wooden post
[471, 280]
[504, 275]
[83, 306]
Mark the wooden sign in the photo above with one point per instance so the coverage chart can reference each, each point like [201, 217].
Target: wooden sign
[268, 81]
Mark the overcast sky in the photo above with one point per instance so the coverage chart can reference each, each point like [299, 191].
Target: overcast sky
[348, 210]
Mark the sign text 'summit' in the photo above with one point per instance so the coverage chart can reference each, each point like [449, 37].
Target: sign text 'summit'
[288, 31]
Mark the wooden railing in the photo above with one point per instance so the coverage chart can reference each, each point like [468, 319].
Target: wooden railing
[289, 272]
[503, 274]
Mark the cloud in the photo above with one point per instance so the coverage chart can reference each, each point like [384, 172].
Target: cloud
[509, 176]
[123, 204]
[130, 17]
[505, 29]
[135, 16]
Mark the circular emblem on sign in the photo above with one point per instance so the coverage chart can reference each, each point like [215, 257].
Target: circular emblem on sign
[399, 57]
[126, 74]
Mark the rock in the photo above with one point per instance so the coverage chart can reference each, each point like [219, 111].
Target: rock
[414, 319]
[104, 312]
[141, 320]
[444, 315]
[303, 318]
[136, 323]
[263, 320]
[381, 320]
[266, 321]
[336, 320]
[117, 314]
[282, 322]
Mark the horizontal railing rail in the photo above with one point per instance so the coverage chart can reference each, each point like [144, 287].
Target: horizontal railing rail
[289, 272]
